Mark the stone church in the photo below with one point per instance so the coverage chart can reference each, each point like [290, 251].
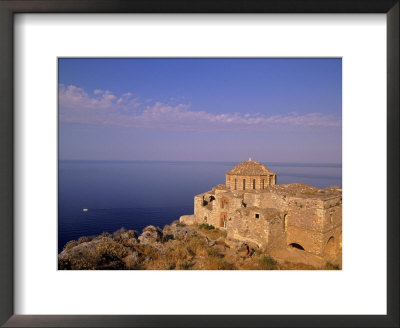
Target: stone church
[253, 208]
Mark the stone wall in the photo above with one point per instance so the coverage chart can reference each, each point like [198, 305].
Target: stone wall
[204, 208]
[263, 227]
[305, 213]
[310, 223]
[273, 200]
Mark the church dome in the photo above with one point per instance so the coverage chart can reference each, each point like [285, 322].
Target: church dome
[250, 167]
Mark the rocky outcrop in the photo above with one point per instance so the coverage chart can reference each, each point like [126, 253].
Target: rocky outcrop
[177, 231]
[151, 234]
[82, 256]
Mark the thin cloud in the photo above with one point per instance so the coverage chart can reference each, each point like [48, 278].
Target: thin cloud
[105, 108]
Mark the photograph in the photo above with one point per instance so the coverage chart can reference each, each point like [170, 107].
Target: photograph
[199, 163]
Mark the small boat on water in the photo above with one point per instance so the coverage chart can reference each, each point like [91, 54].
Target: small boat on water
[85, 210]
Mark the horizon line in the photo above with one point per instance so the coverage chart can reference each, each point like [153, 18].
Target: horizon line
[190, 161]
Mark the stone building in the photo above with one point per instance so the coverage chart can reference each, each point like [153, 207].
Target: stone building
[252, 208]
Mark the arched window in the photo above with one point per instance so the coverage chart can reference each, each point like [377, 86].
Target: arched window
[254, 183]
[244, 184]
[224, 203]
[235, 184]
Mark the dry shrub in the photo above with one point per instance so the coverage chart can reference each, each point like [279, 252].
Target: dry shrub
[132, 234]
[88, 259]
[247, 265]
[212, 263]
[117, 234]
[130, 262]
[176, 252]
[103, 235]
[196, 245]
[183, 265]
[70, 245]
[309, 192]
[295, 266]
[214, 233]
[225, 265]
[216, 261]
[161, 264]
[212, 252]
[83, 240]
[202, 251]
[149, 251]
[110, 250]
[129, 242]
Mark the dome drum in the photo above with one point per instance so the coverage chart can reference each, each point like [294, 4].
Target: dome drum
[250, 175]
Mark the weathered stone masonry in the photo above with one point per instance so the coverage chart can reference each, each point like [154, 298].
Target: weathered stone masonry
[252, 207]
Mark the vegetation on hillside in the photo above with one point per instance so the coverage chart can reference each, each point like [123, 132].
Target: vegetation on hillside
[176, 247]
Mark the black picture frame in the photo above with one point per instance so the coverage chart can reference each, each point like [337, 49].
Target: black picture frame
[10, 7]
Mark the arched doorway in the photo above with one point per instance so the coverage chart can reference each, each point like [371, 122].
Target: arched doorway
[223, 219]
[298, 246]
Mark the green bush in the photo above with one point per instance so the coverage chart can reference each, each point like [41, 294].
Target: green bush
[330, 266]
[206, 226]
[212, 252]
[268, 263]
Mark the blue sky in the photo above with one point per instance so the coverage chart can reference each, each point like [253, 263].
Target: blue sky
[273, 110]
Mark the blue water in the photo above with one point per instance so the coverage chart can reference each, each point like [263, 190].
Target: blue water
[136, 194]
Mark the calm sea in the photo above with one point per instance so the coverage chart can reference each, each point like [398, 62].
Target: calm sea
[136, 194]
